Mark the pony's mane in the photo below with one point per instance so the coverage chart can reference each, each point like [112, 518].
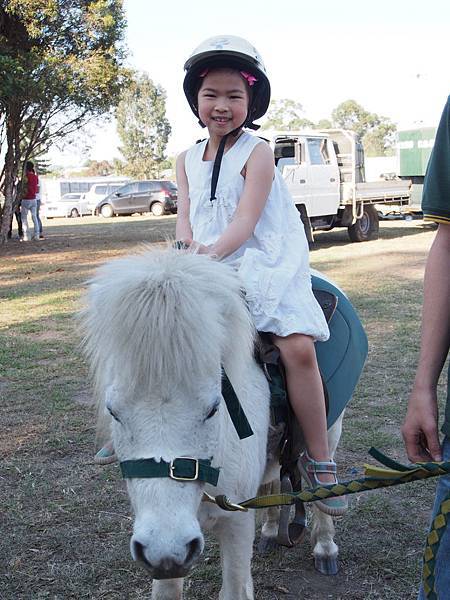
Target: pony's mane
[163, 317]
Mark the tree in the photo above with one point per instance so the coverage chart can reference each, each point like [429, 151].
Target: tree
[323, 124]
[97, 168]
[60, 66]
[381, 140]
[376, 132]
[143, 127]
[285, 114]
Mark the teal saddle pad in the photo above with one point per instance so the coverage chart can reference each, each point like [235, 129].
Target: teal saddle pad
[341, 358]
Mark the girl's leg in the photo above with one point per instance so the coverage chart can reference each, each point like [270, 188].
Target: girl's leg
[306, 394]
[308, 403]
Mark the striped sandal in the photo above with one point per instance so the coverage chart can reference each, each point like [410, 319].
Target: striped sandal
[309, 469]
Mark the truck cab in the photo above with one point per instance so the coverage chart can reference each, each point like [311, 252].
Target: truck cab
[309, 166]
[324, 171]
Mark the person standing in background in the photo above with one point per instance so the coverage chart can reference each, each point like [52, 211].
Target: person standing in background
[29, 202]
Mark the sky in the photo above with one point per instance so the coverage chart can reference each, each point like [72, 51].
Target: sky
[391, 56]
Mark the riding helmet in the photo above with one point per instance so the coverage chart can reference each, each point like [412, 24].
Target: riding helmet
[233, 52]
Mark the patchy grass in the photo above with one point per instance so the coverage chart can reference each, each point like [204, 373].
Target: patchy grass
[66, 522]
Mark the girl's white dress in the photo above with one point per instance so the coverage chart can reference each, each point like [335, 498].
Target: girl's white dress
[273, 264]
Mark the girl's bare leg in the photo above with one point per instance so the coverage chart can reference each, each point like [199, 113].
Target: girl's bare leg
[306, 394]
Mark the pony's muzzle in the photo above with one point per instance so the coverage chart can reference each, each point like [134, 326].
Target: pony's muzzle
[167, 567]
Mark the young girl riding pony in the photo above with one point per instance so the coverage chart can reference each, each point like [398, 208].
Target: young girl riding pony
[233, 205]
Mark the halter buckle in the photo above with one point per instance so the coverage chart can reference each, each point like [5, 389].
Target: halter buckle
[172, 467]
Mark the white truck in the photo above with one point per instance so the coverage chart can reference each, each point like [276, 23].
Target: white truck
[324, 171]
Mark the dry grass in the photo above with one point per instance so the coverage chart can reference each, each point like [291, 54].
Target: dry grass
[66, 522]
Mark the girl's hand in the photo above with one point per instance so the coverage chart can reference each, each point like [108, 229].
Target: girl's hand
[191, 245]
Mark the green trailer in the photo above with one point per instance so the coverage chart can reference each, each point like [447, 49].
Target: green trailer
[414, 148]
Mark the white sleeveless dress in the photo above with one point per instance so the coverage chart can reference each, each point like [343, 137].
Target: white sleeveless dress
[273, 263]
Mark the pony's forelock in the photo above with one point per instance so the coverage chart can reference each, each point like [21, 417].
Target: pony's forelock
[162, 318]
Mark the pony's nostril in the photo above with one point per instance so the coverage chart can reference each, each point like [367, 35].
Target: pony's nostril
[193, 549]
[138, 552]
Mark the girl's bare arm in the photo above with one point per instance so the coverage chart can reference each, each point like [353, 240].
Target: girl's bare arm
[183, 227]
[258, 182]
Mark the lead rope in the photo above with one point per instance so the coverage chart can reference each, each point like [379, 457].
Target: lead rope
[376, 477]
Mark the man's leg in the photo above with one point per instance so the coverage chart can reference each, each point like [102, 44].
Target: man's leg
[19, 222]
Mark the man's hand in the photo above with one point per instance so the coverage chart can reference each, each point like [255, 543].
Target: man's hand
[420, 428]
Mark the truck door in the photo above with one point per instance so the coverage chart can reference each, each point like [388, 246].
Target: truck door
[296, 176]
[323, 177]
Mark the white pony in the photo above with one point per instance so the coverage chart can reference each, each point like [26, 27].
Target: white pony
[159, 327]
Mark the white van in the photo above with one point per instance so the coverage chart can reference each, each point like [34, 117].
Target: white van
[100, 190]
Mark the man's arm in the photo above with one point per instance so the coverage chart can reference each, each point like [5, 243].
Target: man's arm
[420, 428]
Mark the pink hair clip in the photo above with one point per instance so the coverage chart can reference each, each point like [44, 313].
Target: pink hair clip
[251, 79]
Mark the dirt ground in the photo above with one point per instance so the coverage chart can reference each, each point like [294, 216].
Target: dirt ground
[65, 522]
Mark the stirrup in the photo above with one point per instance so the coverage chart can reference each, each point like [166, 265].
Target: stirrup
[290, 533]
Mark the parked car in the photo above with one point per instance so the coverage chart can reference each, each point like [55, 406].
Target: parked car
[156, 196]
[70, 205]
[100, 190]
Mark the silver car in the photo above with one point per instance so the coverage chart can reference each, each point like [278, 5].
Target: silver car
[70, 205]
[157, 196]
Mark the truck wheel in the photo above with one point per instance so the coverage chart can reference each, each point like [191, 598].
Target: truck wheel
[366, 228]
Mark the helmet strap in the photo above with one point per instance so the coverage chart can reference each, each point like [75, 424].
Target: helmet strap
[218, 161]
[216, 167]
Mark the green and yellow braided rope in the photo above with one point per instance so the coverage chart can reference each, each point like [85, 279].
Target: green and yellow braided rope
[433, 540]
[392, 473]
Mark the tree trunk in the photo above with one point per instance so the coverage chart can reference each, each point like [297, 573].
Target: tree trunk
[11, 170]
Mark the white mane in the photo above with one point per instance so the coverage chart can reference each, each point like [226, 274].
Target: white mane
[162, 316]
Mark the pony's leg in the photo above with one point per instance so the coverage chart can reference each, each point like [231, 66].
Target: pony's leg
[269, 530]
[167, 589]
[325, 550]
[236, 535]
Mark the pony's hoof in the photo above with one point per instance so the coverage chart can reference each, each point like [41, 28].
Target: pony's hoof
[327, 565]
[267, 545]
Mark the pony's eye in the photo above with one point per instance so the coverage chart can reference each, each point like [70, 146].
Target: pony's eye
[213, 411]
[113, 414]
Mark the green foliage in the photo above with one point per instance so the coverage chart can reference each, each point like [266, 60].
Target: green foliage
[323, 124]
[60, 66]
[285, 114]
[143, 127]
[94, 168]
[377, 132]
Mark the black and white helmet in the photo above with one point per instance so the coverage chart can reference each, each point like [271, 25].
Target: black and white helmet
[232, 52]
